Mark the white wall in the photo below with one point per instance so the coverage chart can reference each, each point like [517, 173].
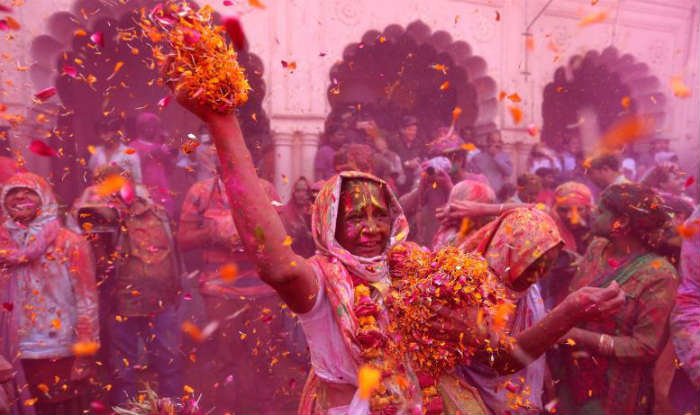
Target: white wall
[661, 33]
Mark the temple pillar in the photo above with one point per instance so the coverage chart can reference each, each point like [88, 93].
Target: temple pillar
[283, 163]
[309, 146]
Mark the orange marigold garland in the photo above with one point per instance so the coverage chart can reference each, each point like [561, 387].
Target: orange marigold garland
[203, 63]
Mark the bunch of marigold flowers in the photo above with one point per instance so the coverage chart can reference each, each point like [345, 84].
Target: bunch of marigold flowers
[196, 55]
[455, 283]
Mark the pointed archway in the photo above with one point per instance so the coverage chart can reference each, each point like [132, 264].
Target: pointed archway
[115, 74]
[608, 84]
[415, 71]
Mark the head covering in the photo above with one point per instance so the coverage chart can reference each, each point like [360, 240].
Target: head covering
[464, 191]
[325, 217]
[510, 245]
[408, 120]
[8, 168]
[446, 142]
[472, 191]
[44, 226]
[573, 194]
[515, 241]
[24, 247]
[570, 194]
[340, 271]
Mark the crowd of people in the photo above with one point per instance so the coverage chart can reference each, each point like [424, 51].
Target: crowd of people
[249, 302]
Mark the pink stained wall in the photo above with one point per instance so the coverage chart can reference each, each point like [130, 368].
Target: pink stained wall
[313, 33]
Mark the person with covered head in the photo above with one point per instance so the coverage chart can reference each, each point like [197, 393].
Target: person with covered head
[520, 247]
[609, 364]
[355, 220]
[453, 231]
[573, 203]
[50, 301]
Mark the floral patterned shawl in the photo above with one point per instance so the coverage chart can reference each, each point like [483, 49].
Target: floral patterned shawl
[340, 269]
[511, 244]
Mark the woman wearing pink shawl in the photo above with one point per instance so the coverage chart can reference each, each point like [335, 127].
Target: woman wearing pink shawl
[521, 242]
[48, 295]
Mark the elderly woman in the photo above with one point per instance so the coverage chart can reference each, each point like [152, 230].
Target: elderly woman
[49, 297]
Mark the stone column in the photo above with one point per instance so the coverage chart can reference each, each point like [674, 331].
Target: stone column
[283, 163]
[309, 146]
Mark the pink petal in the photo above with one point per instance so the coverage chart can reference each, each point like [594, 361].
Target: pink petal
[163, 102]
[3, 26]
[192, 37]
[70, 70]
[127, 193]
[5, 9]
[532, 130]
[41, 149]
[45, 94]
[228, 3]
[98, 39]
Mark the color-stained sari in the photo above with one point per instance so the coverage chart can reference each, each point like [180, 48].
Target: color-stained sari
[510, 244]
[331, 325]
[621, 383]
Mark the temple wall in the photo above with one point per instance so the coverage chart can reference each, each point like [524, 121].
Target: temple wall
[313, 33]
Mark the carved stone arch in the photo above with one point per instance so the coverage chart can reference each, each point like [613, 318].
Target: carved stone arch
[133, 89]
[393, 70]
[599, 81]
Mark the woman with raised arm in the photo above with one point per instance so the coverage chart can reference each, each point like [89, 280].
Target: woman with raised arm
[339, 292]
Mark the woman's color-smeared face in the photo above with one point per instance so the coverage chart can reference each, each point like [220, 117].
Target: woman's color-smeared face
[536, 270]
[364, 218]
[22, 204]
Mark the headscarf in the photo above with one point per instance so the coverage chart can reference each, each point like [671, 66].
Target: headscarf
[515, 241]
[464, 191]
[325, 217]
[23, 246]
[31, 240]
[511, 244]
[570, 194]
[339, 269]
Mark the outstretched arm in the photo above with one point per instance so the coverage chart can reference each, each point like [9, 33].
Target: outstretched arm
[257, 222]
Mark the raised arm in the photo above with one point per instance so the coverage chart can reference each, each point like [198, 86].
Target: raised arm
[257, 222]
